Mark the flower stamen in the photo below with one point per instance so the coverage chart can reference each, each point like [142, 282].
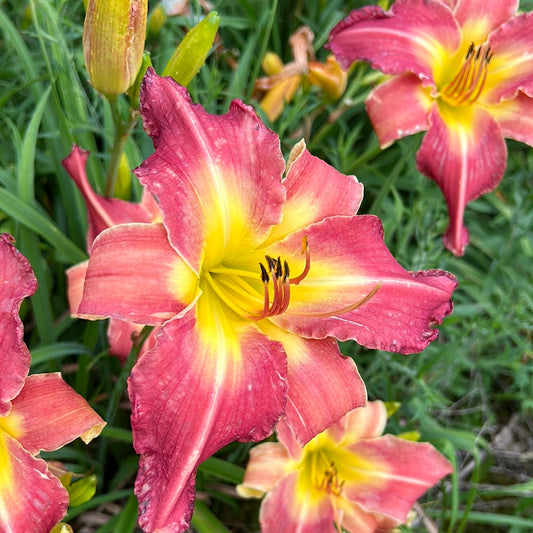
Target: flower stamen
[330, 481]
[468, 83]
[279, 274]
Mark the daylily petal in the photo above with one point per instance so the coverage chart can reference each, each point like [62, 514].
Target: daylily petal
[277, 96]
[101, 212]
[218, 390]
[315, 369]
[226, 168]
[464, 153]
[47, 414]
[119, 335]
[292, 506]
[31, 498]
[398, 107]
[308, 200]
[478, 18]
[511, 67]
[135, 275]
[413, 37]
[16, 283]
[349, 261]
[391, 473]
[515, 118]
[357, 520]
[267, 464]
[360, 424]
[75, 282]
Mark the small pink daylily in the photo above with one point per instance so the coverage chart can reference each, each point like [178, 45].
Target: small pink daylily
[102, 213]
[346, 477]
[251, 278]
[463, 71]
[38, 412]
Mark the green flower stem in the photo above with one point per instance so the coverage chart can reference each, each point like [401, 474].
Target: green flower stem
[122, 132]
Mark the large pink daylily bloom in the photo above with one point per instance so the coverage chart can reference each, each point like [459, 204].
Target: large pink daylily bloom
[463, 71]
[348, 476]
[102, 213]
[38, 412]
[250, 278]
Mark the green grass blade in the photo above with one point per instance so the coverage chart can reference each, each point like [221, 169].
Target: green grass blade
[66, 251]
[204, 521]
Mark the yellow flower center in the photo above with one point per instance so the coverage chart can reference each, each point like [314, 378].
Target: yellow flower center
[319, 469]
[468, 82]
[240, 289]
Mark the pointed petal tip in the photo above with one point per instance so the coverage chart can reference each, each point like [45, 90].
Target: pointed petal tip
[456, 241]
[93, 432]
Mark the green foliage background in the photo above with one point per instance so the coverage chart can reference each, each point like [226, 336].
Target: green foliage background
[470, 393]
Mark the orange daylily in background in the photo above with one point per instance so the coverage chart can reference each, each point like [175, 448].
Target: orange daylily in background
[284, 80]
[463, 71]
[348, 477]
[38, 412]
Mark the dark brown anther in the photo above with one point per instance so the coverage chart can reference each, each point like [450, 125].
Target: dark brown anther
[271, 264]
[264, 274]
[285, 271]
[279, 272]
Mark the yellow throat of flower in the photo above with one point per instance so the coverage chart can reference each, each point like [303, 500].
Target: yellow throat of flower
[467, 84]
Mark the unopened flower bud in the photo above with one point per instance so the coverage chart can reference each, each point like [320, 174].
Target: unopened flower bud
[113, 42]
[191, 53]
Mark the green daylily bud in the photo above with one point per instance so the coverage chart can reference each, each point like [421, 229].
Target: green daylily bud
[191, 53]
[123, 184]
[61, 528]
[113, 42]
[82, 491]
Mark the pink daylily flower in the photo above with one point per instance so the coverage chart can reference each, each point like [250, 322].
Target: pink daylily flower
[347, 477]
[251, 279]
[38, 412]
[17, 282]
[463, 71]
[102, 213]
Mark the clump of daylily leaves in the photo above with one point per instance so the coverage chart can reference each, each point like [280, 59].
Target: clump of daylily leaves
[249, 269]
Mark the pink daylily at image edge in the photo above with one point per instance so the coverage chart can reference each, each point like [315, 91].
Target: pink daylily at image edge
[463, 71]
[348, 476]
[39, 412]
[251, 279]
[102, 213]
[17, 282]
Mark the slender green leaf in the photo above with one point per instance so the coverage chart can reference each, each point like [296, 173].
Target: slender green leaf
[30, 217]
